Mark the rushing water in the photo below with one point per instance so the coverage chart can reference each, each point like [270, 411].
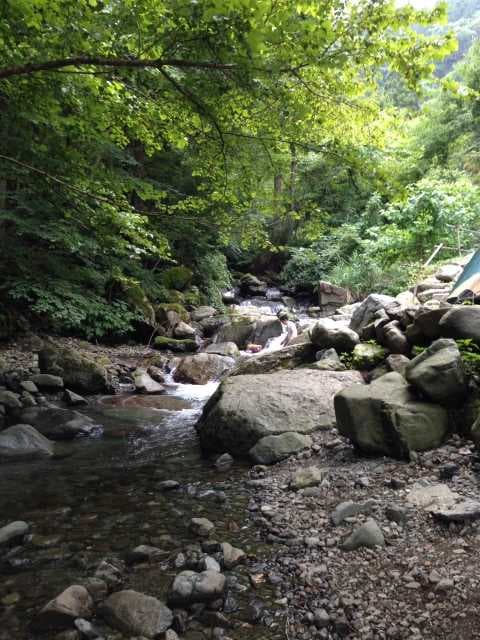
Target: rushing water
[101, 499]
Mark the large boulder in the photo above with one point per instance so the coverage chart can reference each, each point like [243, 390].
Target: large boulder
[462, 322]
[78, 372]
[426, 324]
[328, 334]
[58, 424]
[287, 358]
[438, 373]
[202, 367]
[385, 418]
[250, 285]
[23, 441]
[229, 349]
[239, 329]
[331, 297]
[271, 449]
[265, 329]
[364, 314]
[246, 408]
[137, 614]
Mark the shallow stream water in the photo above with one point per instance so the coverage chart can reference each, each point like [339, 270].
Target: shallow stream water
[102, 499]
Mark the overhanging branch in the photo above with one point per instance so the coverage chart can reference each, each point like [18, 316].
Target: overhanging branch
[96, 61]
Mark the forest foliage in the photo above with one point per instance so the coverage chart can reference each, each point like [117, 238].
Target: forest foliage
[143, 141]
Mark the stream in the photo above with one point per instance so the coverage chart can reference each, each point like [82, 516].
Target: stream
[102, 499]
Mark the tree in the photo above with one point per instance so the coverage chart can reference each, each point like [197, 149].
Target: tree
[104, 101]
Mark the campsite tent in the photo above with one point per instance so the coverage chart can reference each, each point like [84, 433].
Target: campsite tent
[467, 286]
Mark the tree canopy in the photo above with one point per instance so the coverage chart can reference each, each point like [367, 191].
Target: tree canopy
[137, 134]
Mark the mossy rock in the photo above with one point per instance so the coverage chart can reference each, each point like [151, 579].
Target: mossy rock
[178, 308]
[176, 297]
[367, 355]
[177, 278]
[164, 342]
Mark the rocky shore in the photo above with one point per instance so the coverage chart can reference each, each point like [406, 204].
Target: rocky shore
[338, 498]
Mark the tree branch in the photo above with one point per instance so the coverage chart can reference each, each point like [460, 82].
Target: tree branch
[127, 63]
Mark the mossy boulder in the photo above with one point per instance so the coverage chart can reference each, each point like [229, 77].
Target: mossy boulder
[178, 277]
[164, 342]
[78, 372]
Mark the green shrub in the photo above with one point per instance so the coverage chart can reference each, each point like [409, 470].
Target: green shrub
[64, 308]
[304, 269]
[214, 277]
[177, 278]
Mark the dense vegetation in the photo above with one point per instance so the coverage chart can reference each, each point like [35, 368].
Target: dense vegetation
[145, 142]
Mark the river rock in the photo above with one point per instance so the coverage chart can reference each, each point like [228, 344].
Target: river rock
[202, 367]
[224, 461]
[397, 362]
[307, 477]
[331, 297]
[210, 326]
[385, 418]
[271, 449]
[58, 424]
[29, 386]
[426, 324]
[201, 527]
[328, 360]
[144, 552]
[463, 511]
[13, 531]
[136, 613]
[438, 373]
[22, 440]
[252, 286]
[77, 371]
[145, 384]
[329, 334]
[427, 495]
[349, 509]
[393, 338]
[190, 587]
[183, 330]
[448, 272]
[59, 613]
[364, 314]
[48, 382]
[200, 313]
[367, 535]
[286, 358]
[10, 399]
[462, 322]
[73, 399]
[229, 349]
[231, 555]
[175, 344]
[247, 408]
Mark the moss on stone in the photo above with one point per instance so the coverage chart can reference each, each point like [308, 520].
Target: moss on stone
[164, 342]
